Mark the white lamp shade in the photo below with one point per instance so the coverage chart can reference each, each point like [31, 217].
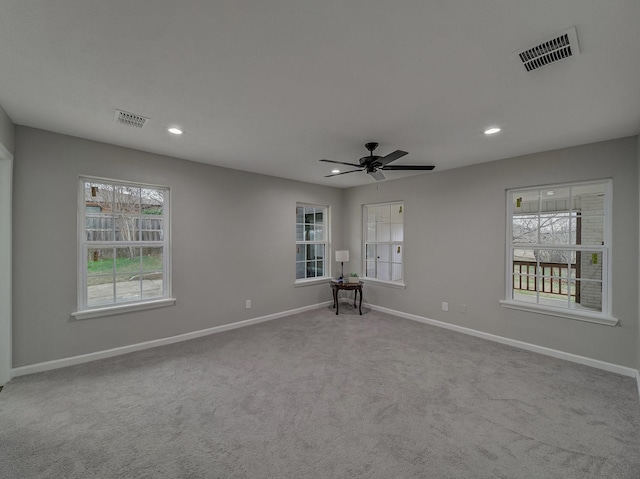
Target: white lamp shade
[342, 255]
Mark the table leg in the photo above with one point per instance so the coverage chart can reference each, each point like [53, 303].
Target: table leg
[360, 308]
[337, 302]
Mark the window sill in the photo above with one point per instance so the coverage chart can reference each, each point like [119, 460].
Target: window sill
[382, 282]
[569, 314]
[123, 308]
[309, 282]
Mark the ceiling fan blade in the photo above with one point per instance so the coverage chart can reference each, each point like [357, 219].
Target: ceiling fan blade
[341, 163]
[377, 174]
[391, 157]
[343, 173]
[407, 167]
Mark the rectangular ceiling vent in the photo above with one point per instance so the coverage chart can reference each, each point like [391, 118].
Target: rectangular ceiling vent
[554, 49]
[130, 119]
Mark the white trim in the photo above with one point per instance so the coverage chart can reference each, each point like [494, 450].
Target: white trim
[84, 310]
[123, 308]
[81, 291]
[108, 353]
[6, 185]
[327, 246]
[100, 179]
[606, 317]
[560, 312]
[84, 358]
[595, 363]
[382, 282]
[311, 281]
[365, 226]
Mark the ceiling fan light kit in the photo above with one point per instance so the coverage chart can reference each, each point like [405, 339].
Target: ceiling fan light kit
[374, 164]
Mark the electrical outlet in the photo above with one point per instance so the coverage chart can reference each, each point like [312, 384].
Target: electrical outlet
[248, 304]
[445, 306]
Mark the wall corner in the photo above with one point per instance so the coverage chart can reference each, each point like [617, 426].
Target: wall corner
[7, 134]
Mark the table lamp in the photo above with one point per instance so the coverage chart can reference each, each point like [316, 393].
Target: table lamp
[342, 256]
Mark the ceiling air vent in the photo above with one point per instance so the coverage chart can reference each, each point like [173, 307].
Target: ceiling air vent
[130, 119]
[554, 49]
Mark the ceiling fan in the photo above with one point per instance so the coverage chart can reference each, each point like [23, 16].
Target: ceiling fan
[374, 164]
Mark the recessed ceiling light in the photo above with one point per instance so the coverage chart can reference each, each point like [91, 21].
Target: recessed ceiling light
[335, 171]
[175, 131]
[492, 131]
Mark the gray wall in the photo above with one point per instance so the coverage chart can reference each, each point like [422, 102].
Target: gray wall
[233, 237]
[7, 131]
[455, 246]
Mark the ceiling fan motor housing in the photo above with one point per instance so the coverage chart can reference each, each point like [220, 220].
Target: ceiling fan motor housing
[369, 160]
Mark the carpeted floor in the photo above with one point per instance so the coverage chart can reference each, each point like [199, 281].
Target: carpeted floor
[323, 396]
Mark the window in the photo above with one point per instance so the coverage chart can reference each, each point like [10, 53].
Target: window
[559, 250]
[383, 241]
[312, 233]
[124, 254]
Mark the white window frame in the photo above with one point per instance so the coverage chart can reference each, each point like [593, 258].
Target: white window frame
[605, 316]
[365, 215]
[327, 247]
[84, 310]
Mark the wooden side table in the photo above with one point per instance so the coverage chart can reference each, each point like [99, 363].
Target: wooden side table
[355, 287]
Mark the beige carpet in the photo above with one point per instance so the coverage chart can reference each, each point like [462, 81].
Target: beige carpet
[323, 396]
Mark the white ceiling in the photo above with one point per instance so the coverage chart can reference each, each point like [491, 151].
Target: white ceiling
[274, 86]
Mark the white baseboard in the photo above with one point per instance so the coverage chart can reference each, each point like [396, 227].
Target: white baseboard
[614, 368]
[71, 361]
[108, 353]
